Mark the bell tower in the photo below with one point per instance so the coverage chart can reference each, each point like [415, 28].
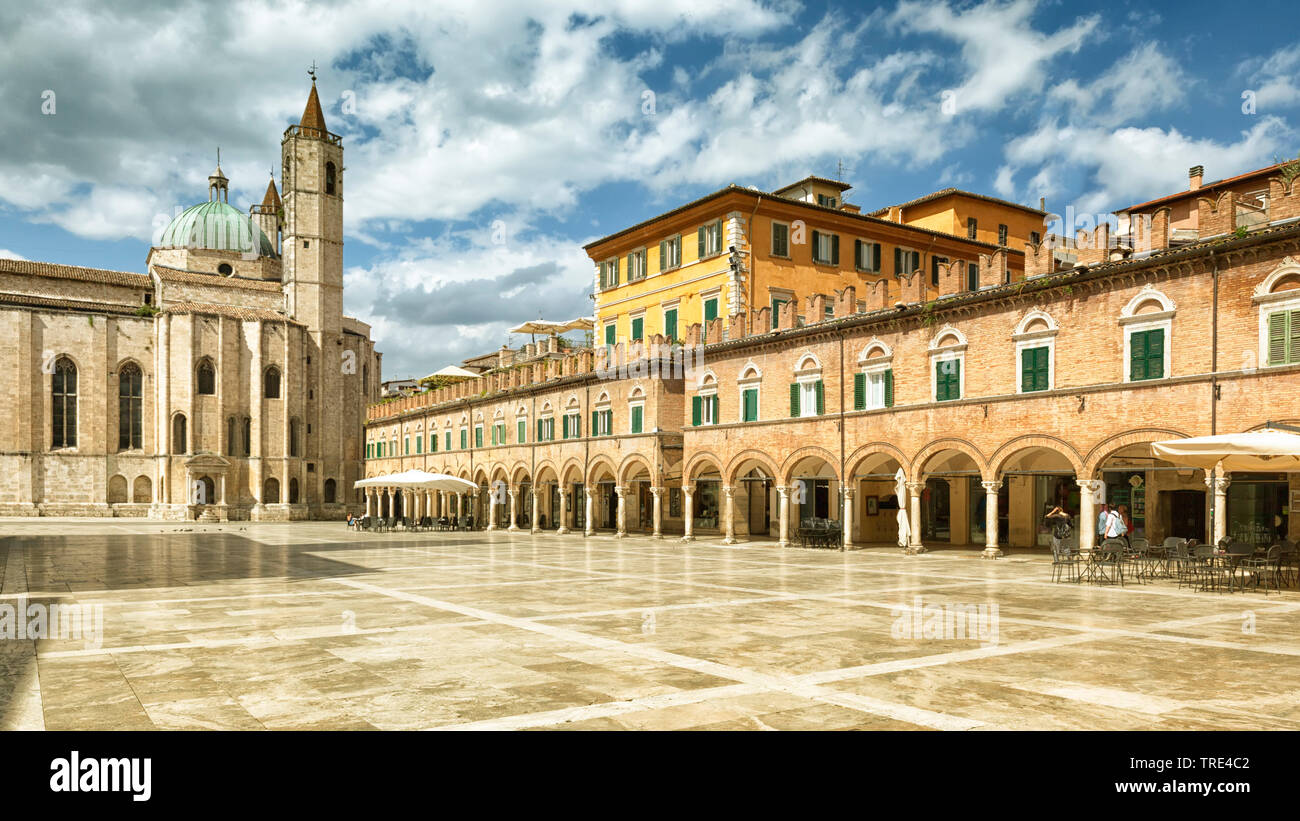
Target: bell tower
[311, 184]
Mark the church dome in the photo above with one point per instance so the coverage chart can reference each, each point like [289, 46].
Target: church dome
[216, 226]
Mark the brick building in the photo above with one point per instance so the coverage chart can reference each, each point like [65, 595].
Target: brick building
[223, 383]
[988, 404]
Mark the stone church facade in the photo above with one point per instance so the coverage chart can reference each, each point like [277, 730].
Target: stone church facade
[224, 383]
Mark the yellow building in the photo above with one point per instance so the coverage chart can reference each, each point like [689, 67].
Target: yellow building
[970, 215]
[791, 245]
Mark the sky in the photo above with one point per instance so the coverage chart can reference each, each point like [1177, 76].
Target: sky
[487, 141]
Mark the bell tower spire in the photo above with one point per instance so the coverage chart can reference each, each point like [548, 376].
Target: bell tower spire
[218, 185]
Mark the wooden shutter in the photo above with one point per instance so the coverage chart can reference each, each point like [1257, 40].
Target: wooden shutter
[1137, 357]
[609, 334]
[696, 410]
[670, 324]
[859, 391]
[663, 255]
[1156, 353]
[523, 429]
[857, 254]
[889, 388]
[750, 409]
[916, 260]
[875, 257]
[1279, 333]
[898, 261]
[595, 426]
[835, 249]
[717, 410]
[1293, 337]
[794, 398]
[821, 398]
[816, 247]
[701, 241]
[636, 419]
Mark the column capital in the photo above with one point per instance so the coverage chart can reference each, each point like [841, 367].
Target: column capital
[916, 487]
[848, 492]
[657, 491]
[991, 487]
[1089, 485]
[688, 489]
[728, 491]
[783, 490]
[588, 491]
[1219, 484]
[621, 490]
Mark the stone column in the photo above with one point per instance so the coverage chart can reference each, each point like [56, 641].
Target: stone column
[847, 512]
[1219, 484]
[564, 512]
[589, 527]
[533, 520]
[657, 493]
[783, 505]
[514, 509]
[688, 512]
[914, 497]
[1087, 514]
[991, 549]
[368, 498]
[729, 514]
[620, 518]
[492, 509]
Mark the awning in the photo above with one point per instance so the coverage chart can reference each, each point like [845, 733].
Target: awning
[453, 371]
[419, 480]
[1265, 450]
[542, 326]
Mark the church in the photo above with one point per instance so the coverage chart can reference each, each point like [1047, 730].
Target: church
[224, 383]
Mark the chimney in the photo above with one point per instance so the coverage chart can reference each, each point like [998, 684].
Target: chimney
[1042, 203]
[1194, 175]
[895, 213]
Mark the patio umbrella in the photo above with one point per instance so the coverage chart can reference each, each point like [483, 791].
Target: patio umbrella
[419, 480]
[1258, 450]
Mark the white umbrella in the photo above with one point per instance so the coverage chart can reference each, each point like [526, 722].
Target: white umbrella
[1258, 450]
[419, 480]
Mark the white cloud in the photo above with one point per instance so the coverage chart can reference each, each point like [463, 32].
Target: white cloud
[5, 253]
[1274, 79]
[1141, 83]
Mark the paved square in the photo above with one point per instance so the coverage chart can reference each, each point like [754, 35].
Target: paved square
[300, 626]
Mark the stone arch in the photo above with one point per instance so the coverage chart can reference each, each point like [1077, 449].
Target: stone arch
[628, 462]
[758, 459]
[1004, 454]
[807, 361]
[865, 453]
[599, 464]
[1287, 273]
[876, 348]
[949, 336]
[1119, 441]
[544, 466]
[1148, 294]
[916, 472]
[572, 472]
[1030, 322]
[519, 472]
[142, 490]
[792, 461]
[117, 490]
[695, 462]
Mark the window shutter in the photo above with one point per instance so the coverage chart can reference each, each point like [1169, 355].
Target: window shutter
[670, 324]
[859, 391]
[523, 429]
[636, 419]
[595, 425]
[889, 388]
[916, 260]
[1278, 335]
[898, 260]
[1027, 370]
[821, 398]
[835, 249]
[614, 272]
[609, 422]
[940, 383]
[1293, 337]
[696, 411]
[701, 241]
[1156, 353]
[875, 257]
[663, 255]
[816, 246]
[1137, 357]
[858, 261]
[794, 398]
[717, 410]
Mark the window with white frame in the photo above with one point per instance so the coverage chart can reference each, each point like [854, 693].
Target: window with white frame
[873, 385]
[670, 253]
[704, 404]
[947, 365]
[807, 392]
[826, 248]
[710, 239]
[866, 255]
[906, 261]
[609, 273]
[1035, 338]
[636, 265]
[751, 379]
[1147, 324]
[1278, 298]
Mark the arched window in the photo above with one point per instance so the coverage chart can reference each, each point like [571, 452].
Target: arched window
[207, 378]
[329, 491]
[64, 389]
[294, 430]
[293, 491]
[948, 365]
[705, 408]
[230, 436]
[271, 491]
[329, 178]
[142, 490]
[179, 443]
[751, 379]
[271, 383]
[248, 436]
[117, 490]
[130, 419]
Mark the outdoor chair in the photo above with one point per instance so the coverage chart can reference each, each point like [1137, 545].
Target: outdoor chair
[1136, 559]
[1288, 562]
[1065, 565]
[1263, 569]
[1106, 562]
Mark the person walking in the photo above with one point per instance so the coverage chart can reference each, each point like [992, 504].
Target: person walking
[1059, 522]
[1101, 522]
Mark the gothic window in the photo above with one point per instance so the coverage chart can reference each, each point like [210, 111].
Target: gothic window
[64, 390]
[179, 444]
[329, 178]
[271, 383]
[130, 423]
[207, 378]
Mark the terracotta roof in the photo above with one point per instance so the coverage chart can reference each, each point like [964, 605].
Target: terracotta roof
[843, 186]
[1259, 172]
[232, 311]
[946, 192]
[312, 116]
[28, 301]
[53, 271]
[272, 198]
[169, 274]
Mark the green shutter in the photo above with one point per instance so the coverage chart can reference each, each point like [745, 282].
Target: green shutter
[594, 426]
[751, 405]
[478, 437]
[1033, 369]
[816, 247]
[636, 418]
[700, 237]
[670, 324]
[717, 412]
[696, 411]
[1279, 333]
[835, 249]
[448, 436]
[609, 333]
[638, 326]
[609, 422]
[857, 253]
[1137, 357]
[947, 380]
[889, 388]
[522, 430]
[794, 398]
[875, 257]
[1156, 354]
[898, 261]
[663, 255]
[539, 430]
[916, 260]
[1293, 337]
[710, 310]
[859, 391]
[821, 398]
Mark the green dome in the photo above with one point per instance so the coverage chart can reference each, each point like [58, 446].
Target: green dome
[216, 226]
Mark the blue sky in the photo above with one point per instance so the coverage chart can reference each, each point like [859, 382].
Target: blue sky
[486, 142]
